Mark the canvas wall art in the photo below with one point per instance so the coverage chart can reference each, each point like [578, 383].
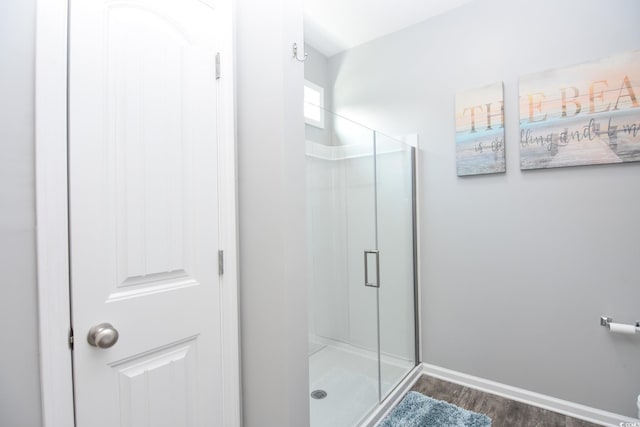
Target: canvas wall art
[480, 131]
[581, 115]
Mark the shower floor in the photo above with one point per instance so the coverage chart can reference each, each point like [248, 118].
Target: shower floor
[349, 376]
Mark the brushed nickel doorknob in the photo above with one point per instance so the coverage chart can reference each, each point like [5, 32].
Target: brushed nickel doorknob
[103, 335]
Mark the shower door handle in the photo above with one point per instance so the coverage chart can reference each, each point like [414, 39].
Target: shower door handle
[367, 282]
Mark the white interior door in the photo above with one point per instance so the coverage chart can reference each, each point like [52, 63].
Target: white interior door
[143, 189]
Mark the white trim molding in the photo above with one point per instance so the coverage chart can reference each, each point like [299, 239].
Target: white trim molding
[228, 227]
[51, 213]
[575, 410]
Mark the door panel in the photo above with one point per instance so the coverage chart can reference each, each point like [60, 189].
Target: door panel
[143, 211]
[157, 388]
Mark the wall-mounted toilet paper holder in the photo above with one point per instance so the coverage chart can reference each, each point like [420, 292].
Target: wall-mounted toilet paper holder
[607, 321]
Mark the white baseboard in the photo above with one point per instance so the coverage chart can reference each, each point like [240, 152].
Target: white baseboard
[571, 409]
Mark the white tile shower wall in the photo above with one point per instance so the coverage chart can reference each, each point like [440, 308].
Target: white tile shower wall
[342, 221]
[360, 236]
[329, 300]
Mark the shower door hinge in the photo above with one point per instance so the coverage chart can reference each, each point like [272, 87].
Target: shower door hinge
[218, 66]
[220, 263]
[70, 341]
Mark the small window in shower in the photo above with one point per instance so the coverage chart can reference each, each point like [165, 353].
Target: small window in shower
[313, 104]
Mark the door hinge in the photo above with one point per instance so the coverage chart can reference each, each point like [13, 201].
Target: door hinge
[70, 338]
[220, 263]
[218, 66]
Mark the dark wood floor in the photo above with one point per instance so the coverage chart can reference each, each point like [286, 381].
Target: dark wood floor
[503, 412]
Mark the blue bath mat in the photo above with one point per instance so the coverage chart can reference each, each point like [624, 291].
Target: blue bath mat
[418, 410]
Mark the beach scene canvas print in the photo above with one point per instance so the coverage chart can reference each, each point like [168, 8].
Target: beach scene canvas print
[480, 131]
[581, 115]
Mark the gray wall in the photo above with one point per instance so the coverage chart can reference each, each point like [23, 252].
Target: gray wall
[516, 268]
[271, 179]
[19, 368]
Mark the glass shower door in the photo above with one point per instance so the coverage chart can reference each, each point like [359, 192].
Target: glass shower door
[343, 323]
[359, 166]
[361, 265]
[395, 194]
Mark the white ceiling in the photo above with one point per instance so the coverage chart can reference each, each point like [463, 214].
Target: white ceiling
[332, 26]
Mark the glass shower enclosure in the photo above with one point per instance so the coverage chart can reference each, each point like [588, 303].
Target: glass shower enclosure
[361, 263]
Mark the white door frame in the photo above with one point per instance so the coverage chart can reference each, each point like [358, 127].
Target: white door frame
[52, 218]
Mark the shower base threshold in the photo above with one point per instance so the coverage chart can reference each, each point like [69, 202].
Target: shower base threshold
[349, 376]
